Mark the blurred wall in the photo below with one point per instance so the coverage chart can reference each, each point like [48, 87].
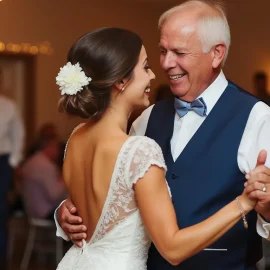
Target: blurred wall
[250, 50]
[61, 22]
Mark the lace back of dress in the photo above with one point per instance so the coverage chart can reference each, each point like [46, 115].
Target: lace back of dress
[120, 202]
[134, 160]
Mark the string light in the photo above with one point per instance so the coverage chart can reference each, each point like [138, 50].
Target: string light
[27, 48]
[2, 46]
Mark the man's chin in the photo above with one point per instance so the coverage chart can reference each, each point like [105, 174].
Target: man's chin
[178, 91]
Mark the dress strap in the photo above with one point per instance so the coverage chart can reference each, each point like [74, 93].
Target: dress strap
[74, 130]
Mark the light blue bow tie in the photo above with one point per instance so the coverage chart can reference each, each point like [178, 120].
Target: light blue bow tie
[197, 105]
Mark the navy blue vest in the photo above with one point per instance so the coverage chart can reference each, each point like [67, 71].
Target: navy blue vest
[205, 177]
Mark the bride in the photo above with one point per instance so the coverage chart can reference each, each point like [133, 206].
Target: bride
[118, 182]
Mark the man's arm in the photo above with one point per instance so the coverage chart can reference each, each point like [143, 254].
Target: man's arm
[255, 139]
[59, 231]
[138, 127]
[71, 225]
[256, 187]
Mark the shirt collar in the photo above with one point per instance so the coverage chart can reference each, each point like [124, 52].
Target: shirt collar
[211, 94]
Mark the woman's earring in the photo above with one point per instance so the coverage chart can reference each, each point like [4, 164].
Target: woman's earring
[122, 89]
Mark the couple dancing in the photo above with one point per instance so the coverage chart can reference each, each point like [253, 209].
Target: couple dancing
[204, 143]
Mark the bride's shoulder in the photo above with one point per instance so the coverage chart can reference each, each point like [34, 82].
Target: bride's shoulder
[144, 153]
[145, 141]
[69, 142]
[145, 148]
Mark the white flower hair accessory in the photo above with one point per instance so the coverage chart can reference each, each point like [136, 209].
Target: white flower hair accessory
[71, 79]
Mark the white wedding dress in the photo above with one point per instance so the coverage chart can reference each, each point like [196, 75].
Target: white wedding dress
[119, 241]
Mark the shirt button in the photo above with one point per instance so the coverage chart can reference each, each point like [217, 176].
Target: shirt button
[173, 176]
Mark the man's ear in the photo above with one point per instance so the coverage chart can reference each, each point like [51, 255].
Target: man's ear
[219, 52]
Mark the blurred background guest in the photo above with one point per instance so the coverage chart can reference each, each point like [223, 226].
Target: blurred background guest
[42, 184]
[47, 132]
[11, 148]
[260, 86]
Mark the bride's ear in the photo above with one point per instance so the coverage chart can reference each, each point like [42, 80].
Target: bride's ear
[121, 85]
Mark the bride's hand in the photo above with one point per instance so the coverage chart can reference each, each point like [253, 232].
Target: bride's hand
[258, 188]
[256, 185]
[247, 203]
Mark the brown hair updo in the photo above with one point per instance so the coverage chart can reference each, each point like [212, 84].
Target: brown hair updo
[107, 55]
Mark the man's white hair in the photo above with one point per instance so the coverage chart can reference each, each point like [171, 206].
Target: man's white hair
[213, 26]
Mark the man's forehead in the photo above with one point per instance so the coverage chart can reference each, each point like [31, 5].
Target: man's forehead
[177, 37]
[172, 44]
[174, 27]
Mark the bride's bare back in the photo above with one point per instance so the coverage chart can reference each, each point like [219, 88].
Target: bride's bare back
[88, 167]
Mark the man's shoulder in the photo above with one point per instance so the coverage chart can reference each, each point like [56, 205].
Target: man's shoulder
[242, 92]
[147, 112]
[164, 103]
[139, 125]
[260, 111]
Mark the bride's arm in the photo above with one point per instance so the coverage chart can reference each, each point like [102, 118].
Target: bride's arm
[159, 218]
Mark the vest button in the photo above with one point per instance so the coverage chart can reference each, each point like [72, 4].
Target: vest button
[173, 176]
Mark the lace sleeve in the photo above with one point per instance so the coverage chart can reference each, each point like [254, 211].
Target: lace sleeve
[146, 153]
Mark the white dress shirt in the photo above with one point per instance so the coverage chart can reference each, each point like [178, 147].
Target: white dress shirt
[256, 135]
[11, 131]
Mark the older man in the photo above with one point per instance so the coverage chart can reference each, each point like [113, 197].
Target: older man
[210, 136]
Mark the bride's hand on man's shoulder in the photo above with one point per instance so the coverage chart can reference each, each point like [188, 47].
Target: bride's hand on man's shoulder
[71, 223]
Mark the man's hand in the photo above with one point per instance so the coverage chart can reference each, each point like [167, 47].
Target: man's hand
[258, 186]
[71, 223]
